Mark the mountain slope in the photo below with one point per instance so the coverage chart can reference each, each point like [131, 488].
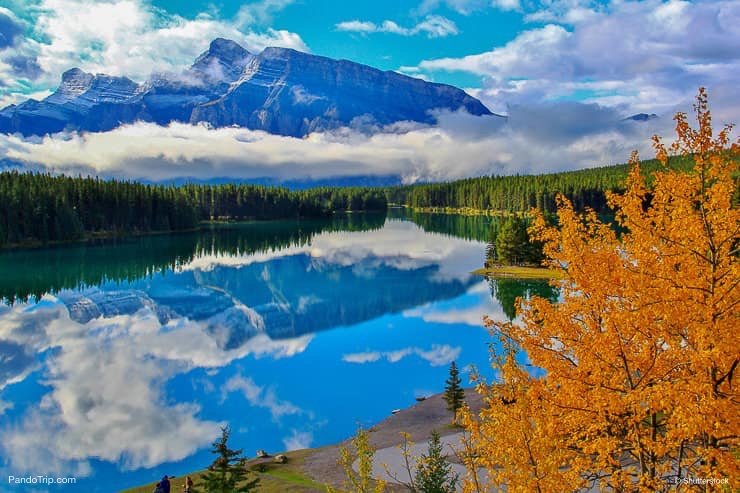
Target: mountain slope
[281, 91]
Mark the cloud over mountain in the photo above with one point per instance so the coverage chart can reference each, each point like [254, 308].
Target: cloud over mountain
[459, 145]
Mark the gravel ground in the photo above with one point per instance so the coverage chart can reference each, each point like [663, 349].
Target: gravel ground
[418, 420]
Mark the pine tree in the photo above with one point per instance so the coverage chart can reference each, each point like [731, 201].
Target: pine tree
[454, 393]
[433, 473]
[227, 473]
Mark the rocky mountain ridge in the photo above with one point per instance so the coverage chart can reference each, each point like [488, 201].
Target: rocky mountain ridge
[280, 90]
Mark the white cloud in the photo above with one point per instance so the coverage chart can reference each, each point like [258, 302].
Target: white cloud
[533, 140]
[434, 26]
[260, 12]
[647, 56]
[468, 7]
[134, 39]
[437, 355]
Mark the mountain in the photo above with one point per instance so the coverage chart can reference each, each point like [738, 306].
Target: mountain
[281, 91]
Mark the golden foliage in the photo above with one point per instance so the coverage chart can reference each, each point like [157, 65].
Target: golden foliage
[360, 481]
[640, 352]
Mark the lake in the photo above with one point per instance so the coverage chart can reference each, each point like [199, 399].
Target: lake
[119, 361]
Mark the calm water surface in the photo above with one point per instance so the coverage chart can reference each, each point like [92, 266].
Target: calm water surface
[119, 362]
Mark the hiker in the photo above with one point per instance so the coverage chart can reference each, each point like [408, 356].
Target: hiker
[158, 488]
[165, 484]
[188, 485]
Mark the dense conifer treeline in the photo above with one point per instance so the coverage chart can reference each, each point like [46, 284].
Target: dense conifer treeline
[585, 187]
[41, 208]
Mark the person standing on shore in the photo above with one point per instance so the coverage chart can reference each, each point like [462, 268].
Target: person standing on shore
[165, 484]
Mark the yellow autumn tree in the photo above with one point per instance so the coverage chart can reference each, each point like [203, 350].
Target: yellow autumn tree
[636, 361]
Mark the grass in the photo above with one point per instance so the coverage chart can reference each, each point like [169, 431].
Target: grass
[518, 271]
[274, 477]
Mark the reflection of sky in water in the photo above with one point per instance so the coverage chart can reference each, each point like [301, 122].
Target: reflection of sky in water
[122, 383]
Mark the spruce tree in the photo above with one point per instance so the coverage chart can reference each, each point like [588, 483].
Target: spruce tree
[433, 473]
[454, 393]
[512, 241]
[228, 472]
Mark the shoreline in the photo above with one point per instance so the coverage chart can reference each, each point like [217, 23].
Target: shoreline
[515, 271]
[311, 470]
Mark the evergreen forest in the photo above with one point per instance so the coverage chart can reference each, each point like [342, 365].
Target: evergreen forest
[583, 188]
[39, 209]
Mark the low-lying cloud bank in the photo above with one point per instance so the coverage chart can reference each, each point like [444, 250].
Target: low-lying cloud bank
[533, 139]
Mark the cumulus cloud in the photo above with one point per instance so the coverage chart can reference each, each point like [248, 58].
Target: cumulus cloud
[434, 26]
[643, 55]
[132, 37]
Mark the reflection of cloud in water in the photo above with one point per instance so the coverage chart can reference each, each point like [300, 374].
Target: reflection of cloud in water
[400, 244]
[450, 313]
[259, 396]
[298, 440]
[5, 406]
[106, 379]
[438, 355]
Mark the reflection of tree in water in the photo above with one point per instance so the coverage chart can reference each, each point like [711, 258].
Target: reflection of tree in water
[507, 290]
[32, 273]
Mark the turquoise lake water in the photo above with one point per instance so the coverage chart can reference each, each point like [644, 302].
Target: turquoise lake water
[119, 361]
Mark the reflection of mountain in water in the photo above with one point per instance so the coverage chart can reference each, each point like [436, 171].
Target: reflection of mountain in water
[284, 297]
[242, 280]
[33, 273]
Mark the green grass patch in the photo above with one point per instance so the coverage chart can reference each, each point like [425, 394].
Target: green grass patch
[274, 477]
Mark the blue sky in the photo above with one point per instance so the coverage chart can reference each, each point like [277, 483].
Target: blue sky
[550, 65]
